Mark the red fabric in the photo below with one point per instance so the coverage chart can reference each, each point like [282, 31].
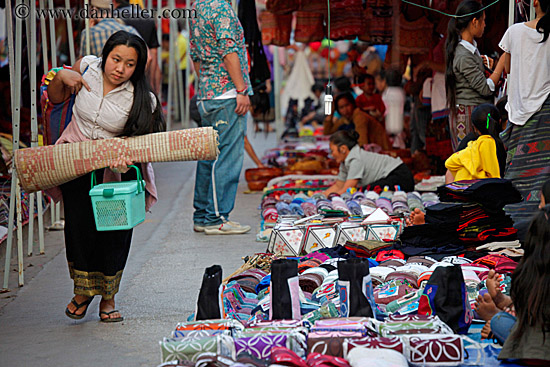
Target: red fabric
[364, 102]
[389, 254]
[322, 360]
[285, 357]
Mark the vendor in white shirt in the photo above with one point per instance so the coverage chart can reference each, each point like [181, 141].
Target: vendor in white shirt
[359, 168]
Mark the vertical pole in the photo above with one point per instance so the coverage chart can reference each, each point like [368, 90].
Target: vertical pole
[53, 39]
[171, 67]
[180, 86]
[279, 123]
[87, 27]
[532, 14]
[15, 79]
[511, 12]
[187, 76]
[20, 268]
[70, 37]
[16, 120]
[159, 36]
[44, 38]
[40, 208]
[31, 25]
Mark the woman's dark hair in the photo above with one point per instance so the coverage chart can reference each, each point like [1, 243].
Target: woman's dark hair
[486, 118]
[530, 289]
[346, 95]
[348, 138]
[142, 119]
[454, 29]
[343, 84]
[543, 25]
[545, 191]
[501, 106]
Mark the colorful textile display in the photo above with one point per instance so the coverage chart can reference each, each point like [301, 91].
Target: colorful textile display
[49, 166]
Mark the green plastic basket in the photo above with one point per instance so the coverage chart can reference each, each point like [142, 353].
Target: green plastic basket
[118, 205]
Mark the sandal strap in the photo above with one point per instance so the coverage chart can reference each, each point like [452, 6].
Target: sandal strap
[84, 303]
[108, 313]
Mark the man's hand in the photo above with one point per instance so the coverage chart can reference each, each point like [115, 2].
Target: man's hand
[243, 105]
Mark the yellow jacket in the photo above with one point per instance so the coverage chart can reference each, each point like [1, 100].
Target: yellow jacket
[477, 160]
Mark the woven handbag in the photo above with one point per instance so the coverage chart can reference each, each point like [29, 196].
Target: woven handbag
[56, 117]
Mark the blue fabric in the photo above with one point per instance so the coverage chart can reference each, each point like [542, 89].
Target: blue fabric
[264, 283]
[296, 209]
[220, 114]
[501, 325]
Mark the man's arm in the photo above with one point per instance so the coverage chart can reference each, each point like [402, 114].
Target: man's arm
[154, 70]
[233, 66]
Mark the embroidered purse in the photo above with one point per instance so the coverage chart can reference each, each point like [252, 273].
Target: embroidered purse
[56, 117]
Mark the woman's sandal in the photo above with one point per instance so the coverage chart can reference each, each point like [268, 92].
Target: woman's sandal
[109, 318]
[74, 315]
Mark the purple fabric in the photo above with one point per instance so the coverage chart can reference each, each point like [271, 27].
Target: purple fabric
[260, 346]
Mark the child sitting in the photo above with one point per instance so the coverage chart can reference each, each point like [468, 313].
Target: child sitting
[370, 101]
[481, 158]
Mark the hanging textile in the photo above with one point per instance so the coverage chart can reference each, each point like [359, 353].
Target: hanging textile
[282, 6]
[309, 27]
[276, 29]
[415, 37]
[346, 23]
[378, 22]
[259, 68]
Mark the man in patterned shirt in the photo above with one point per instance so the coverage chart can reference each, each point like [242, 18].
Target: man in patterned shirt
[219, 56]
[101, 27]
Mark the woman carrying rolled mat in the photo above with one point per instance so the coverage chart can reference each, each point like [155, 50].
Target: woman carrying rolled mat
[116, 101]
[361, 168]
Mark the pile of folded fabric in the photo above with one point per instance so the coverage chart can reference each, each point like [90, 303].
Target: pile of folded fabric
[471, 214]
[302, 204]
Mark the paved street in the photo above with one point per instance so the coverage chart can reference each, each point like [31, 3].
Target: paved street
[159, 286]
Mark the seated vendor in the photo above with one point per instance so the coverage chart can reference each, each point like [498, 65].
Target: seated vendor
[352, 118]
[361, 168]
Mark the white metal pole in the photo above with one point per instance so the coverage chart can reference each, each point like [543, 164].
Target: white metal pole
[15, 93]
[16, 120]
[87, 27]
[44, 36]
[20, 267]
[159, 36]
[40, 208]
[31, 25]
[532, 14]
[53, 39]
[187, 76]
[70, 33]
[39, 199]
[171, 67]
[279, 123]
[511, 12]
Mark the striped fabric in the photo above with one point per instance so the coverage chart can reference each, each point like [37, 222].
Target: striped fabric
[460, 124]
[528, 160]
[100, 33]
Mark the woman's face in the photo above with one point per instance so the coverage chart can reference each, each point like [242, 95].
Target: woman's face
[542, 201]
[120, 64]
[345, 108]
[478, 26]
[339, 153]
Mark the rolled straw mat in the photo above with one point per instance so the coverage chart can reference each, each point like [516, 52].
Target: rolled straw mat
[42, 168]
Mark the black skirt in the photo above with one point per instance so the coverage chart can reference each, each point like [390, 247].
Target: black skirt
[96, 259]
